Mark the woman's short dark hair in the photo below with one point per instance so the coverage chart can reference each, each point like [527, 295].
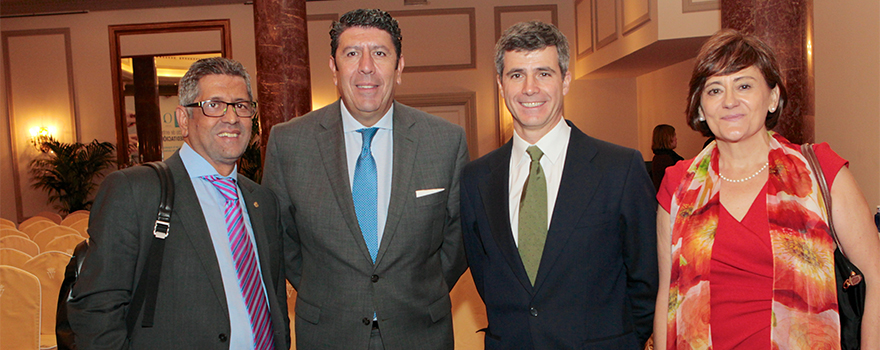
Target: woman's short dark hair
[727, 52]
[663, 136]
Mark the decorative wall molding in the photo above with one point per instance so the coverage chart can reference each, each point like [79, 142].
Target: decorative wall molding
[468, 100]
[583, 24]
[634, 13]
[603, 12]
[699, 5]
[501, 10]
[15, 135]
[470, 18]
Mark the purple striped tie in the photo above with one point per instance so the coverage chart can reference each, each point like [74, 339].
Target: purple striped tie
[245, 264]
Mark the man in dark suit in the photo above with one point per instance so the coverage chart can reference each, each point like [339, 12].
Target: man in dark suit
[369, 192]
[559, 227]
[221, 284]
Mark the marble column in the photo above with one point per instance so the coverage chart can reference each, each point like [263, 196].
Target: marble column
[282, 50]
[787, 26]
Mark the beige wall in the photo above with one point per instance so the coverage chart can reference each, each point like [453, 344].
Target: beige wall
[662, 99]
[846, 50]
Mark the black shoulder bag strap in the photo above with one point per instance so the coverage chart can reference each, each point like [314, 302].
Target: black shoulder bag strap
[148, 285]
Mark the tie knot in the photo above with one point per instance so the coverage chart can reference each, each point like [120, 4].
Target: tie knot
[367, 134]
[535, 153]
[226, 186]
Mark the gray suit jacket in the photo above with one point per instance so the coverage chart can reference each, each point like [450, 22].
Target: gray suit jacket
[191, 311]
[420, 257]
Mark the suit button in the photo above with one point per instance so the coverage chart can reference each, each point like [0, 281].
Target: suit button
[533, 311]
[374, 278]
[222, 337]
[367, 321]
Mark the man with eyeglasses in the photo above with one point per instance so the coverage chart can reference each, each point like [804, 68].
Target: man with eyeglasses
[221, 282]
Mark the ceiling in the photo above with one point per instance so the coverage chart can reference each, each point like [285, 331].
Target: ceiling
[18, 8]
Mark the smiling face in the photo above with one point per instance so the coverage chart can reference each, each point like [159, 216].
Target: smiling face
[366, 71]
[220, 140]
[533, 87]
[735, 106]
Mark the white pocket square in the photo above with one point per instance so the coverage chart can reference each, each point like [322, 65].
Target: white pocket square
[430, 191]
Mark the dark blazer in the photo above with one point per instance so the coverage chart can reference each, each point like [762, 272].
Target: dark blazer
[191, 311]
[420, 257]
[597, 280]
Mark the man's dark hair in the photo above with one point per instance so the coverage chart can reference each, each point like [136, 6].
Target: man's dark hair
[365, 18]
[531, 36]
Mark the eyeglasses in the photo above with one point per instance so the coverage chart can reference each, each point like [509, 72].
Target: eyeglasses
[214, 108]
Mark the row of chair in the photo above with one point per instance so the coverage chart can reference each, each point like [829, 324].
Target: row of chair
[54, 237]
[29, 298]
[68, 220]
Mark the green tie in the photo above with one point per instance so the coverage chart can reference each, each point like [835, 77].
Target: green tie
[533, 215]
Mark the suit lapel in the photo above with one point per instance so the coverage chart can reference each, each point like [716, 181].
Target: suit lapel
[189, 212]
[332, 145]
[494, 191]
[405, 147]
[580, 179]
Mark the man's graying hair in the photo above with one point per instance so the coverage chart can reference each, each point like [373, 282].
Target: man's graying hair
[365, 18]
[188, 89]
[531, 36]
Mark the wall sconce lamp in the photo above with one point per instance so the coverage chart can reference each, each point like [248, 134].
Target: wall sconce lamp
[41, 135]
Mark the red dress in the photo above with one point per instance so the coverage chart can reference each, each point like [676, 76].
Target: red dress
[741, 281]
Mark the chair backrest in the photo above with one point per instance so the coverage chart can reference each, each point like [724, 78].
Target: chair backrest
[6, 231]
[47, 235]
[55, 217]
[13, 257]
[74, 217]
[82, 227]
[31, 220]
[20, 302]
[20, 243]
[5, 222]
[49, 268]
[64, 244]
[35, 227]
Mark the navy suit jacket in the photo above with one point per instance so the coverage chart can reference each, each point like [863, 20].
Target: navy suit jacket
[597, 280]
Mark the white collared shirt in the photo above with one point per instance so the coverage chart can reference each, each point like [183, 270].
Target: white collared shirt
[555, 146]
[382, 148]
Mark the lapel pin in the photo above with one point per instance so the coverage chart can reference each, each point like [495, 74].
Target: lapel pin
[256, 205]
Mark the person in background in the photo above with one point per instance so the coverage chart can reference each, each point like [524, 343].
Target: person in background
[663, 143]
[221, 284]
[558, 226]
[368, 188]
[746, 259]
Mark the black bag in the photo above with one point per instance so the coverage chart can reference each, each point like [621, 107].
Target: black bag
[148, 285]
[850, 291]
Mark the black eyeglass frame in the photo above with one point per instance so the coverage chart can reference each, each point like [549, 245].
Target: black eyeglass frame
[200, 104]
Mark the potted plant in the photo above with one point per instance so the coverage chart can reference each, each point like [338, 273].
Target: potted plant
[67, 172]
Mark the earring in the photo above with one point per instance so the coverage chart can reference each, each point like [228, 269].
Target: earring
[772, 109]
[700, 117]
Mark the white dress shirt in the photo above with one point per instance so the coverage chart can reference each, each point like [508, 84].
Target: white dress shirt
[382, 149]
[555, 146]
[213, 208]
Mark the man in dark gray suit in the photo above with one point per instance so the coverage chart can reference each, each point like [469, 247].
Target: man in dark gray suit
[369, 193]
[222, 283]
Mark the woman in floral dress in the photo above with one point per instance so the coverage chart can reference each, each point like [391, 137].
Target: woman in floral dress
[746, 260]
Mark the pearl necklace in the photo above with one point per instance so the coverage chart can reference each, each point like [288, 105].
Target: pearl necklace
[748, 178]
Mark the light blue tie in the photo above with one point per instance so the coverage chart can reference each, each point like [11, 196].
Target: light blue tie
[365, 193]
